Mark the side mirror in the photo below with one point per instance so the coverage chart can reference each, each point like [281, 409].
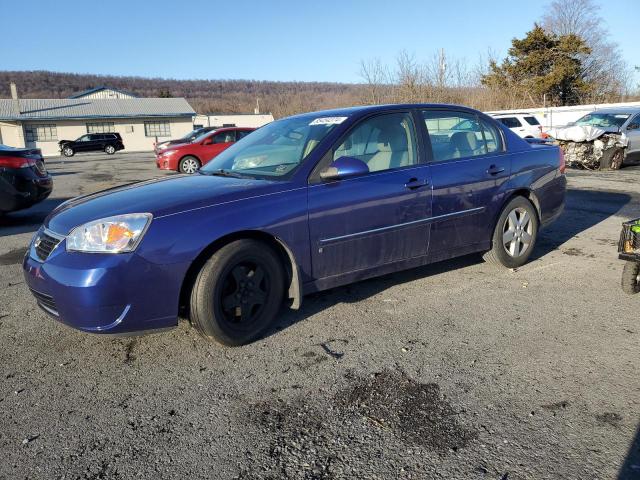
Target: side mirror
[633, 126]
[344, 167]
[208, 141]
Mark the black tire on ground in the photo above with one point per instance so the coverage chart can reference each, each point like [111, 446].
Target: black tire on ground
[612, 159]
[68, 151]
[238, 292]
[189, 164]
[514, 236]
[631, 278]
[109, 149]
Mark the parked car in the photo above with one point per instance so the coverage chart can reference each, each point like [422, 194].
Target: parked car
[189, 157]
[188, 138]
[525, 125]
[109, 143]
[24, 180]
[303, 204]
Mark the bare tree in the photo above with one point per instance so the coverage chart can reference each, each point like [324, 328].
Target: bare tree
[604, 66]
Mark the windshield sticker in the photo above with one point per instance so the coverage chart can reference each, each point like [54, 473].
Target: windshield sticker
[621, 116]
[328, 121]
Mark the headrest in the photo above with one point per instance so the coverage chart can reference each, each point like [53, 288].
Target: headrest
[464, 141]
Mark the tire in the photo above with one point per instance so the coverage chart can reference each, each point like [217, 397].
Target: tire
[631, 278]
[523, 231]
[221, 305]
[612, 159]
[109, 149]
[189, 164]
[68, 151]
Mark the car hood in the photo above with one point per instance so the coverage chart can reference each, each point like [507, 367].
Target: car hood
[160, 197]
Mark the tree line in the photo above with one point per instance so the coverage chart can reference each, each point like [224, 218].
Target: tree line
[566, 58]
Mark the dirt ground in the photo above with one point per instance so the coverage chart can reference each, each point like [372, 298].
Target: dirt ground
[454, 371]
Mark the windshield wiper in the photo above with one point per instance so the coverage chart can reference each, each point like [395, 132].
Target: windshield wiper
[223, 173]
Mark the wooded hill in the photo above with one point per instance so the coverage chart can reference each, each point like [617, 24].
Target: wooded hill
[206, 96]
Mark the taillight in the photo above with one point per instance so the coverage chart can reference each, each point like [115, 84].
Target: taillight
[563, 165]
[16, 162]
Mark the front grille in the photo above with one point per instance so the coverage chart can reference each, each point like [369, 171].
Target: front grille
[46, 302]
[44, 245]
[630, 239]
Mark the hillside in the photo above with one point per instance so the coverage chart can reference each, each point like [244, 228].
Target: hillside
[206, 96]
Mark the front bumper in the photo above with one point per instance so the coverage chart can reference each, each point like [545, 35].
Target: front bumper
[164, 163]
[104, 293]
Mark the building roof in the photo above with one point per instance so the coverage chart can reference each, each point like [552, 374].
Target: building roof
[84, 93]
[68, 109]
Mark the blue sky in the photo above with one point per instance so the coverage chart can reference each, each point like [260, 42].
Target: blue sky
[322, 40]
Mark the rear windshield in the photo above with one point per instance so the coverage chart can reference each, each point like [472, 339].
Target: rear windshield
[532, 120]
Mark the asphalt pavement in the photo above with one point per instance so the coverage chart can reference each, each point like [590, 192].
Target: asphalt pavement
[456, 370]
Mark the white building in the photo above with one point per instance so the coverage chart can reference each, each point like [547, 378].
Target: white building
[104, 92]
[41, 123]
[249, 120]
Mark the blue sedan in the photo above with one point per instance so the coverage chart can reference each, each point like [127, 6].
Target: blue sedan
[303, 204]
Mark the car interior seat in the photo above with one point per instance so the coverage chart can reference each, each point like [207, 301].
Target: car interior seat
[392, 149]
[465, 144]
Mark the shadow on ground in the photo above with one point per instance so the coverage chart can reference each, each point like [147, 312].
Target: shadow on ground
[29, 220]
[583, 210]
[630, 469]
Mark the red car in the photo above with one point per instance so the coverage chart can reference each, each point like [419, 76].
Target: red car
[189, 157]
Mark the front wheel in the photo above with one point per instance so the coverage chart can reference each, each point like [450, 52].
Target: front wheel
[238, 292]
[515, 234]
[612, 159]
[68, 151]
[110, 149]
[631, 278]
[189, 164]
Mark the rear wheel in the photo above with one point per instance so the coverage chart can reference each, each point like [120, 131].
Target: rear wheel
[110, 149]
[238, 292]
[68, 151]
[515, 234]
[189, 164]
[631, 278]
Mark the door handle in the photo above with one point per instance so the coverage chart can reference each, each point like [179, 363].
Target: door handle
[494, 170]
[414, 183]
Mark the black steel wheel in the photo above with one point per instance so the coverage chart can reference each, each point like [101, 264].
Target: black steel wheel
[631, 278]
[238, 293]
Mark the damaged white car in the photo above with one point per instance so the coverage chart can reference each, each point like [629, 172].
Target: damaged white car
[602, 139]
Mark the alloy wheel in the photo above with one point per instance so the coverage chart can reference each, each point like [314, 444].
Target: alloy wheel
[517, 232]
[189, 165]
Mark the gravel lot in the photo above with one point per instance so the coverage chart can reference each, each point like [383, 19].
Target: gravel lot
[453, 371]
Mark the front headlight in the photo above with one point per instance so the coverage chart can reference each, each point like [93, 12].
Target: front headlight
[118, 234]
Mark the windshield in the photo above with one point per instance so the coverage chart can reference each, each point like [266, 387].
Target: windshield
[604, 120]
[274, 150]
[192, 134]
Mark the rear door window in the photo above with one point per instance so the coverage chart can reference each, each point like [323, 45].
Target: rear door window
[532, 121]
[456, 135]
[510, 122]
[242, 133]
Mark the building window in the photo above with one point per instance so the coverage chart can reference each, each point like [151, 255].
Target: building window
[40, 133]
[157, 129]
[101, 127]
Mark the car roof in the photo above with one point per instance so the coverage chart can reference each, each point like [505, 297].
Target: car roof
[617, 110]
[348, 111]
[512, 114]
